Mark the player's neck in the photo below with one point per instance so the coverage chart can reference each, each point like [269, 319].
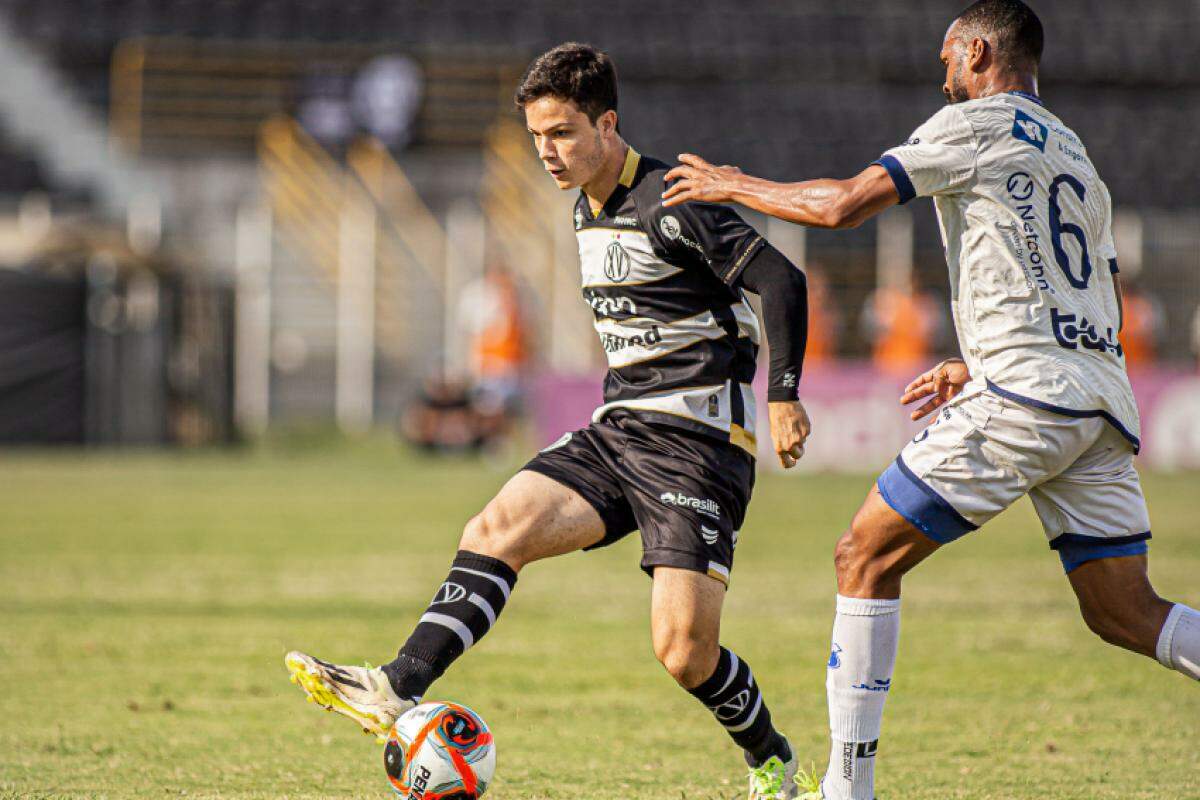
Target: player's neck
[1005, 82]
[601, 187]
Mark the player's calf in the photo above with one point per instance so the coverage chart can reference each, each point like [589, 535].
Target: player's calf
[1120, 606]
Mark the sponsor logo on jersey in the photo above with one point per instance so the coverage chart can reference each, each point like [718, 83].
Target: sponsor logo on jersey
[714, 405]
[670, 227]
[616, 263]
[578, 219]
[613, 343]
[1028, 129]
[835, 656]
[701, 504]
[628, 222]
[709, 535]
[734, 706]
[449, 592]
[1072, 333]
[608, 306]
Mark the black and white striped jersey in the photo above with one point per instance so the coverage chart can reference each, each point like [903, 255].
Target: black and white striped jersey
[680, 338]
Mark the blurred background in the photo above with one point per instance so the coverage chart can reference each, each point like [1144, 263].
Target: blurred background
[224, 218]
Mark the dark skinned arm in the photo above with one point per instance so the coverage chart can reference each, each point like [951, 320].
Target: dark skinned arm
[822, 203]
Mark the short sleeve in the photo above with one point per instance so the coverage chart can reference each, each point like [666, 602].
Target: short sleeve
[939, 158]
[706, 234]
[1108, 247]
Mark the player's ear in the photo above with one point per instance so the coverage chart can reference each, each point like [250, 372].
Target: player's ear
[607, 123]
[979, 54]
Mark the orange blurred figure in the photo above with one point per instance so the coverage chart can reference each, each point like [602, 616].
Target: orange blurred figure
[1142, 324]
[903, 324]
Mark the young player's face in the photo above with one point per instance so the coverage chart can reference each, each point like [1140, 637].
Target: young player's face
[954, 58]
[570, 146]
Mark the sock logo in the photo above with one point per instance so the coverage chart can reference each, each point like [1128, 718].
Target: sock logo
[835, 657]
[449, 592]
[733, 706]
[867, 749]
[877, 686]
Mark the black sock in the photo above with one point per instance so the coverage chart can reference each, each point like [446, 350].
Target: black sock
[463, 610]
[732, 695]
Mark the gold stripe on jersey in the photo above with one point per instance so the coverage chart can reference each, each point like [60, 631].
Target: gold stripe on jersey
[629, 170]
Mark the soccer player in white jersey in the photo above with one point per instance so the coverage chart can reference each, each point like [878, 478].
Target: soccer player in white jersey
[1039, 404]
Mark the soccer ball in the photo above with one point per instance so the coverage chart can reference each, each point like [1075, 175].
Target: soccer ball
[440, 751]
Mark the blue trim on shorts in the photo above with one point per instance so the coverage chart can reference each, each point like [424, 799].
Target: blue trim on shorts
[1068, 412]
[899, 177]
[1076, 549]
[917, 502]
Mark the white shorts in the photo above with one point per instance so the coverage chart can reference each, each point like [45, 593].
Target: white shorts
[984, 451]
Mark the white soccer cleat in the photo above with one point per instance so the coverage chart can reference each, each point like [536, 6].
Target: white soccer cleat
[775, 779]
[361, 693]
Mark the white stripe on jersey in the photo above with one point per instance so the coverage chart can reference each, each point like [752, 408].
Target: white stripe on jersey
[612, 257]
[638, 339]
[709, 405]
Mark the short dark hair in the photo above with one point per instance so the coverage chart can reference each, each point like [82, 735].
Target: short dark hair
[572, 71]
[1010, 27]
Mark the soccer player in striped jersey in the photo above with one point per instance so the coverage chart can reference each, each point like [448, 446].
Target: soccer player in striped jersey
[1040, 403]
[670, 452]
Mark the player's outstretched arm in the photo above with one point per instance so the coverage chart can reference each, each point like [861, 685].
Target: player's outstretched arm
[823, 203]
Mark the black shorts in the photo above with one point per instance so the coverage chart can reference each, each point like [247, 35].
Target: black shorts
[686, 492]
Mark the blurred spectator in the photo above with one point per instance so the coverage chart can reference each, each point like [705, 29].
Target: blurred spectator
[824, 318]
[386, 97]
[904, 325]
[442, 418]
[489, 313]
[1142, 328]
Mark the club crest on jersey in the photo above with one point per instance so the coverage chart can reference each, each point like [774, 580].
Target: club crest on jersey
[616, 263]
[670, 227]
[1028, 129]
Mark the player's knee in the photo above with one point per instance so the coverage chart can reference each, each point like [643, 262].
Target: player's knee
[689, 661]
[1107, 625]
[1126, 622]
[862, 564]
[491, 532]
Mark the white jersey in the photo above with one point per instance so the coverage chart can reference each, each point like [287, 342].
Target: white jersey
[1027, 225]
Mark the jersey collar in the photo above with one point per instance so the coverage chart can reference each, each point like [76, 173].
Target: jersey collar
[629, 170]
[1033, 98]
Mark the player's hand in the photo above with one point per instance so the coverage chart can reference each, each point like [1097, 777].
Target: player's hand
[696, 179]
[943, 382]
[789, 430]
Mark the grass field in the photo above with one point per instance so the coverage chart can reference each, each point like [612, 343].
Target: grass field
[146, 602]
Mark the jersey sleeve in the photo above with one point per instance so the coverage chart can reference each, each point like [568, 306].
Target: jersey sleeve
[939, 158]
[707, 235]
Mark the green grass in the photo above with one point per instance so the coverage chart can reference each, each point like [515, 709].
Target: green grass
[146, 602]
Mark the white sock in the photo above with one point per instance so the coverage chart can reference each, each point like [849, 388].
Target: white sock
[1179, 641]
[865, 636]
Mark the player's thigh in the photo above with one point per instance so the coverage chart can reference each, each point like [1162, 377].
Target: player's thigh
[685, 622]
[685, 603]
[533, 517]
[877, 550]
[1095, 509]
[981, 454]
